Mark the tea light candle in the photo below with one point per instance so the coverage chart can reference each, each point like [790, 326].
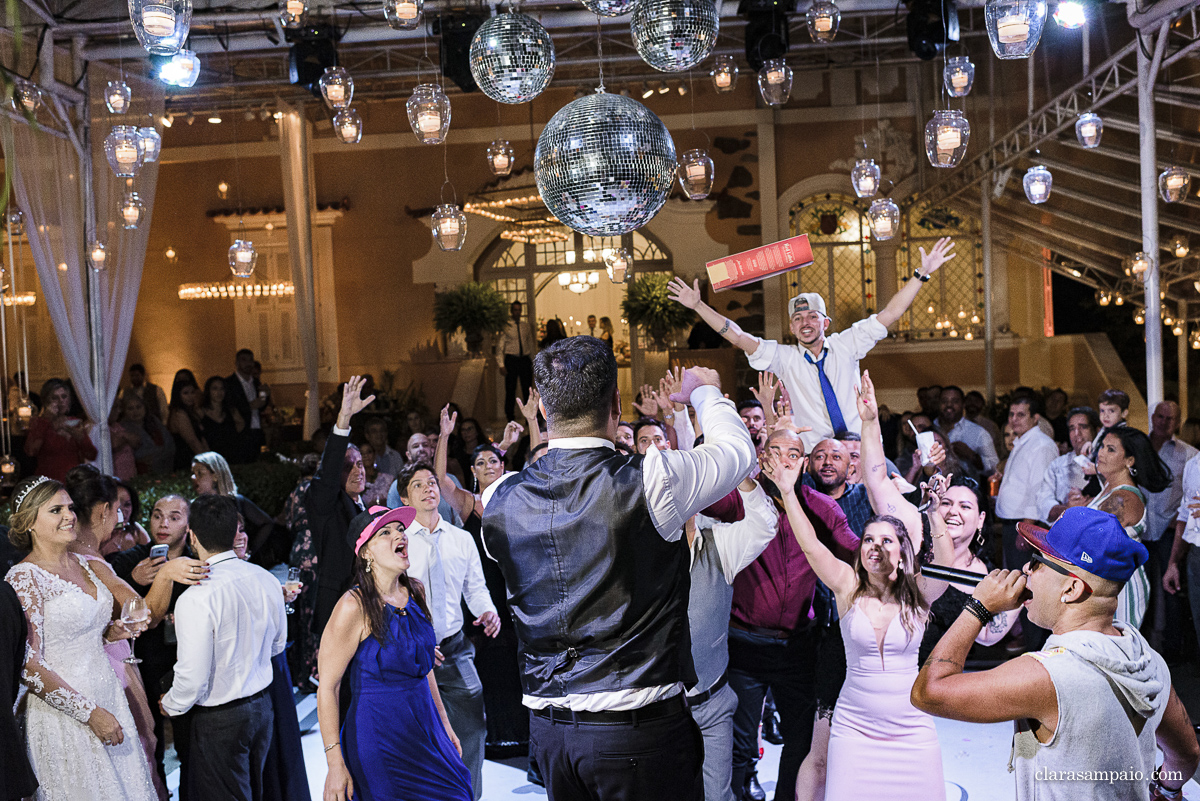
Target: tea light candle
[823, 24]
[24, 412]
[500, 161]
[1012, 29]
[130, 214]
[295, 8]
[695, 172]
[406, 10]
[158, 20]
[949, 138]
[117, 101]
[126, 153]
[883, 226]
[775, 76]
[244, 257]
[866, 184]
[449, 226]
[429, 122]
[335, 92]
[1176, 181]
[1088, 130]
[724, 79]
[1037, 189]
[959, 79]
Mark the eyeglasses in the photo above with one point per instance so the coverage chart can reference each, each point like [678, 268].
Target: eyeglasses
[1036, 558]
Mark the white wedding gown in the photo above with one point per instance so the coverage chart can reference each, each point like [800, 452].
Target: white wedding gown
[68, 675]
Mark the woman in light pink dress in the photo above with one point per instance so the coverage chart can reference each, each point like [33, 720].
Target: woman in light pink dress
[880, 745]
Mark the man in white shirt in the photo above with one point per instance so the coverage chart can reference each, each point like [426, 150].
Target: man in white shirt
[444, 558]
[1066, 472]
[820, 372]
[515, 349]
[421, 449]
[971, 444]
[387, 459]
[588, 542]
[1161, 509]
[1185, 550]
[1032, 453]
[249, 396]
[229, 627]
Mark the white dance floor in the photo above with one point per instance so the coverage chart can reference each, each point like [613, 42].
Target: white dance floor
[974, 756]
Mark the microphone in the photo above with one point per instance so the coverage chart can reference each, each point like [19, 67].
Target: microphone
[952, 574]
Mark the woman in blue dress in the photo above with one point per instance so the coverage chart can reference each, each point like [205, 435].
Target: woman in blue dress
[395, 741]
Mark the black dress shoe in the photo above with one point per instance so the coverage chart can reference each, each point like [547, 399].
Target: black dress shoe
[753, 791]
[770, 729]
[534, 774]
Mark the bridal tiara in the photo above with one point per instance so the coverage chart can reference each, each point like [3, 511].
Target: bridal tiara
[28, 489]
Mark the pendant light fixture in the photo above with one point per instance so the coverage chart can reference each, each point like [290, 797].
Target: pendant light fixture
[1173, 183]
[958, 76]
[1088, 129]
[884, 216]
[865, 177]
[724, 74]
[1037, 183]
[946, 138]
[775, 81]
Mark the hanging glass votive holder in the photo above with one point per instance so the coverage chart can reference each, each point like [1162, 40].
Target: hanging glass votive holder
[151, 143]
[946, 138]
[403, 15]
[1015, 26]
[865, 177]
[27, 97]
[823, 18]
[183, 70]
[1088, 129]
[97, 255]
[161, 26]
[1180, 246]
[242, 258]
[449, 227]
[724, 74]
[500, 157]
[337, 87]
[695, 172]
[117, 96]
[132, 209]
[1173, 183]
[347, 126]
[429, 113]
[122, 151]
[617, 263]
[1037, 183]
[958, 76]
[775, 82]
[15, 221]
[293, 13]
[884, 215]
[1140, 264]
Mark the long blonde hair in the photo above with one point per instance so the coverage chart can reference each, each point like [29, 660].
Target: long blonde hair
[904, 590]
[216, 463]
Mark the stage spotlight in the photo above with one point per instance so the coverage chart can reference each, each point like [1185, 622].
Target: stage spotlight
[766, 32]
[931, 24]
[1070, 14]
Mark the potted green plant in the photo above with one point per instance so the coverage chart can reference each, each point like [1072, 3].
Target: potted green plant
[648, 306]
[474, 308]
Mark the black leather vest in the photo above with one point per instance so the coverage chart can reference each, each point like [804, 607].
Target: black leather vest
[598, 597]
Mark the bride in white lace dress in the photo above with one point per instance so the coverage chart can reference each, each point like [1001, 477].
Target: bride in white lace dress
[79, 732]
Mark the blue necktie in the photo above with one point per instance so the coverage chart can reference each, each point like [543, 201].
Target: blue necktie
[831, 402]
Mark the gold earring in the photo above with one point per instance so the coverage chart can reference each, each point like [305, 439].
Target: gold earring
[369, 563]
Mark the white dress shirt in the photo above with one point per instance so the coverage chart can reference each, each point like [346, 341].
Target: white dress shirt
[1162, 506]
[1063, 475]
[251, 393]
[229, 626]
[1189, 495]
[677, 485]
[844, 350]
[462, 572]
[1031, 455]
[742, 542]
[975, 437]
[515, 338]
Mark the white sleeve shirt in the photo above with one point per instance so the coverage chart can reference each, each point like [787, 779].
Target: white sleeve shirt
[1161, 506]
[1056, 484]
[1032, 454]
[803, 383]
[1189, 494]
[742, 542]
[462, 571]
[229, 626]
[975, 437]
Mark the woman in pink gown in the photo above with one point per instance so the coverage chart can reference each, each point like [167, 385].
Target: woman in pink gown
[880, 745]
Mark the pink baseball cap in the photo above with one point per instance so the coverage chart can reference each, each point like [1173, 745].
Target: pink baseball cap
[367, 524]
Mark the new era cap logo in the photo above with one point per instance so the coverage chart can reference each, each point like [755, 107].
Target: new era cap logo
[1083, 557]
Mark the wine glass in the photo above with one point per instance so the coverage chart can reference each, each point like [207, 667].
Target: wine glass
[291, 585]
[134, 611]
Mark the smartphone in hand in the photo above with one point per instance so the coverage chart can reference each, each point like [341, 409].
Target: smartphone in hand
[159, 550]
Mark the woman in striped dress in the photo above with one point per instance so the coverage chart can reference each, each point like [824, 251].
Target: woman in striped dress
[1128, 469]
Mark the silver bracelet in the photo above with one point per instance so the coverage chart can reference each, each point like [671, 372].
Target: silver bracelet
[724, 328]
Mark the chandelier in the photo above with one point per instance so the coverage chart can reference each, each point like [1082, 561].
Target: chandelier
[235, 290]
[578, 282]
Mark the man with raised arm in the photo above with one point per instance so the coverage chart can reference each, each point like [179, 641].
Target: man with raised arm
[591, 546]
[820, 372]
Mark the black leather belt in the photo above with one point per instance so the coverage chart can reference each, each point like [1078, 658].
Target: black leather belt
[236, 702]
[700, 698]
[775, 634]
[659, 709]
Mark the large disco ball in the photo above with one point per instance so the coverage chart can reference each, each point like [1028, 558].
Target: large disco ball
[604, 164]
[610, 8]
[675, 35]
[512, 58]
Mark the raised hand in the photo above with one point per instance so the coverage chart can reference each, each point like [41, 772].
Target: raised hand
[649, 405]
[938, 255]
[679, 291]
[694, 377]
[529, 409]
[868, 407]
[512, 432]
[352, 403]
[768, 387]
[448, 421]
[784, 409]
[671, 384]
[782, 472]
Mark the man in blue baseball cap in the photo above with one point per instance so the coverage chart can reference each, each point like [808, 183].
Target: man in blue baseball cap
[1091, 707]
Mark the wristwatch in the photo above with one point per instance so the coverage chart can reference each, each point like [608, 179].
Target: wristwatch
[920, 276]
[1158, 791]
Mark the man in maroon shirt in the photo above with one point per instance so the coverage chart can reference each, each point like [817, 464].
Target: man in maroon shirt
[774, 631]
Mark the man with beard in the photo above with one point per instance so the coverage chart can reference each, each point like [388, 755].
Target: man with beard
[1066, 473]
[420, 451]
[828, 468]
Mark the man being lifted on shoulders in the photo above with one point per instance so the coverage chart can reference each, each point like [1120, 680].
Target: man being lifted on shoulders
[820, 372]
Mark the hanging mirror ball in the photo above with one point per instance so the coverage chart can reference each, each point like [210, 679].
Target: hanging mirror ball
[675, 35]
[604, 164]
[609, 8]
[512, 58]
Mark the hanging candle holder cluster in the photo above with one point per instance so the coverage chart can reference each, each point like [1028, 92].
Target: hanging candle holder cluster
[946, 138]
[293, 13]
[775, 81]
[132, 211]
[618, 263]
[500, 157]
[449, 227]
[429, 113]
[161, 26]
[1037, 183]
[403, 15]
[117, 97]
[242, 257]
[512, 58]
[1088, 129]
[1015, 26]
[724, 74]
[884, 216]
[958, 76]
[675, 35]
[121, 148]
[695, 173]
[865, 177]
[1173, 183]
[823, 18]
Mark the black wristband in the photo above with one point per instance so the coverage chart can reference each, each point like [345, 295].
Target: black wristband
[980, 611]
[917, 274]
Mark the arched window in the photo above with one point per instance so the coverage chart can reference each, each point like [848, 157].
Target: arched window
[843, 269]
[951, 306]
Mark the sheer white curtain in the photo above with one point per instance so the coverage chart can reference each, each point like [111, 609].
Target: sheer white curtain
[48, 166]
[299, 200]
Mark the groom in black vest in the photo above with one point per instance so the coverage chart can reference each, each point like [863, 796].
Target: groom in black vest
[589, 542]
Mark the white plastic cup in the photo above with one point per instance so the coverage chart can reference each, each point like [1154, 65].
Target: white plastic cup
[925, 441]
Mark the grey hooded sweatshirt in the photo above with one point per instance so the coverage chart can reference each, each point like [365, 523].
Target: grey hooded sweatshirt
[1112, 692]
